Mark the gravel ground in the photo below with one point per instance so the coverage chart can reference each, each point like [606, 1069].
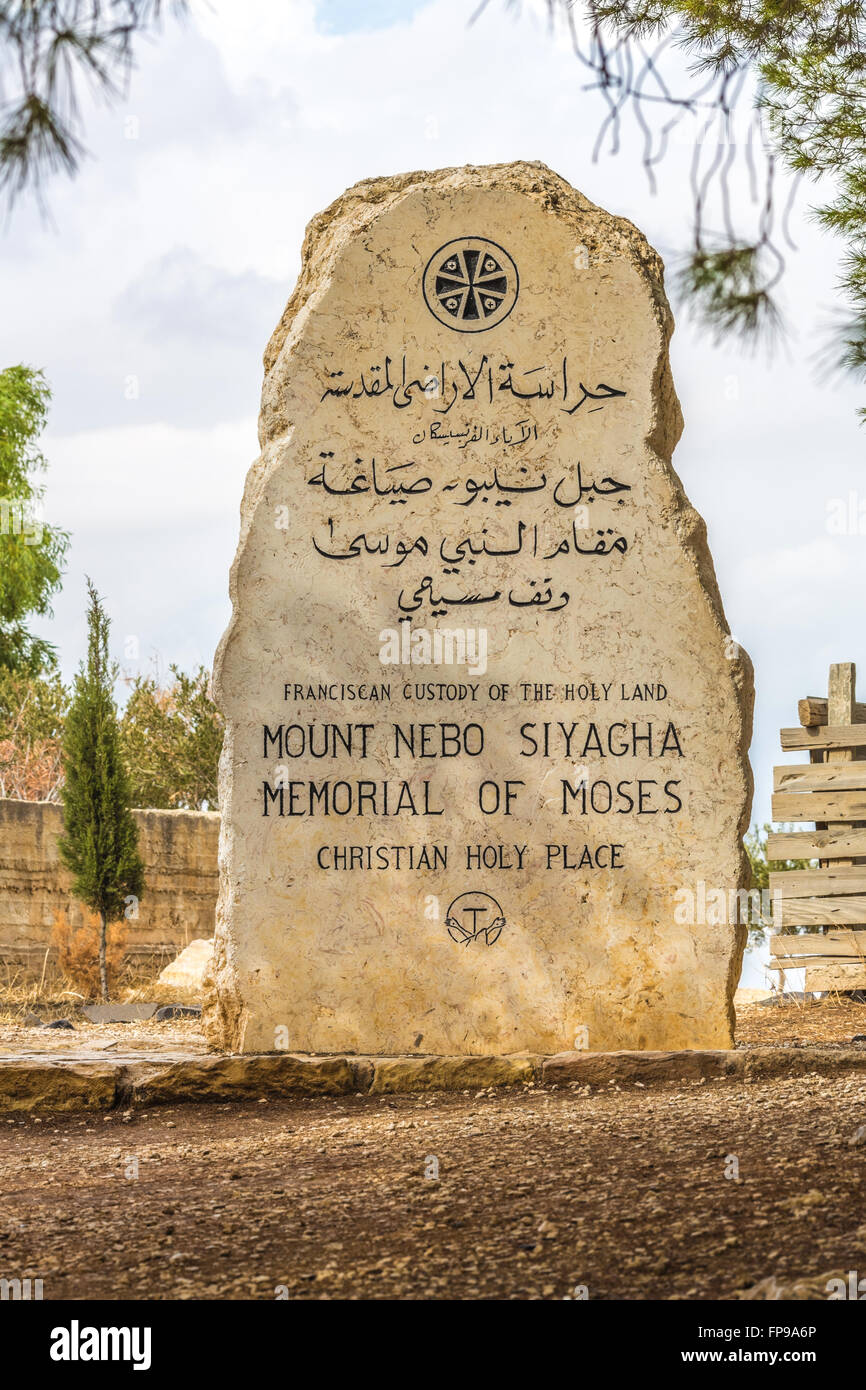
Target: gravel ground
[172, 1036]
[623, 1191]
[517, 1194]
[833, 1019]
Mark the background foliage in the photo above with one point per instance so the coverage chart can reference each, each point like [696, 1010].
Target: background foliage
[31, 552]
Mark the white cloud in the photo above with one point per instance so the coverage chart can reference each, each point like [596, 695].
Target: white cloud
[153, 514]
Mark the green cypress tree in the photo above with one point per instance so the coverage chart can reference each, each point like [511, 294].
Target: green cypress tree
[100, 845]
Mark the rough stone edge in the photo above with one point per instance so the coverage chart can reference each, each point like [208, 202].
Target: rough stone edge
[245, 1076]
[392, 1075]
[223, 1013]
[34, 1085]
[66, 1085]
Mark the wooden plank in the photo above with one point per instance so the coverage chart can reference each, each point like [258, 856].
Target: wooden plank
[816, 844]
[831, 806]
[836, 976]
[818, 883]
[830, 736]
[840, 711]
[819, 777]
[817, 756]
[820, 912]
[849, 944]
[813, 711]
[810, 962]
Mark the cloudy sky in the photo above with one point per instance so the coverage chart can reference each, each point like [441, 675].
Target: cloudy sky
[149, 293]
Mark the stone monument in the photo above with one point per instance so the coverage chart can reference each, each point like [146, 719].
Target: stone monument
[486, 727]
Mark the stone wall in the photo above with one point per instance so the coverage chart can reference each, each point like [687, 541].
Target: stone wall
[179, 849]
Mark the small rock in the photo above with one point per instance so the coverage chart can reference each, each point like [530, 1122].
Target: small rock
[188, 970]
[800, 1203]
[32, 1021]
[858, 1138]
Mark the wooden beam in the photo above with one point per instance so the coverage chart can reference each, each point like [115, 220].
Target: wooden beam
[827, 806]
[809, 962]
[835, 943]
[813, 711]
[836, 975]
[819, 777]
[846, 736]
[820, 912]
[818, 883]
[816, 844]
[840, 711]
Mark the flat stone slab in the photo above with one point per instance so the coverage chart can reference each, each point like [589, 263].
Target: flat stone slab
[602, 1068]
[743, 1064]
[57, 1082]
[118, 1013]
[392, 1074]
[202, 1078]
[99, 1079]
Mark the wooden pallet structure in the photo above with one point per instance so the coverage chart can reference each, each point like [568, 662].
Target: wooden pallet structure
[830, 792]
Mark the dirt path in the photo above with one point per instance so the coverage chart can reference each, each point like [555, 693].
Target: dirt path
[538, 1191]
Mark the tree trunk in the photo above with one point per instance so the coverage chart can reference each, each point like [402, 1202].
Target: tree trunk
[103, 962]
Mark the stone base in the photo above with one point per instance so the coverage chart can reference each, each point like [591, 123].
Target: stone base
[83, 1080]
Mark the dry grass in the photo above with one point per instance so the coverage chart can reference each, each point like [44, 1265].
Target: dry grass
[42, 988]
[833, 1019]
[78, 952]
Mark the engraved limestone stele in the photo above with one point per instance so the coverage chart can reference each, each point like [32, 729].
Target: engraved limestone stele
[486, 730]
